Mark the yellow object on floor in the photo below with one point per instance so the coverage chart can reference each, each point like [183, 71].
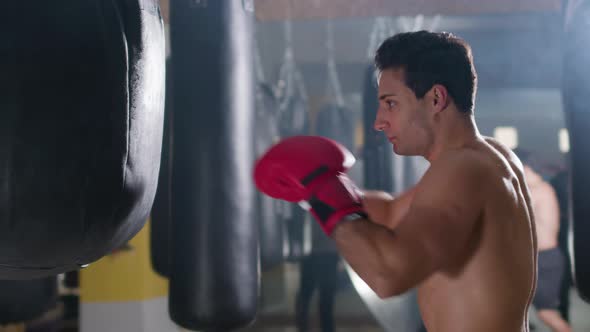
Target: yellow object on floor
[122, 292]
[125, 275]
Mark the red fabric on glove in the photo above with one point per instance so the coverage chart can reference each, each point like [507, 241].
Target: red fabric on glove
[312, 169]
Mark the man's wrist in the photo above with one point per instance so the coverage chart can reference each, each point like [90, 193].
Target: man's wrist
[353, 216]
[350, 217]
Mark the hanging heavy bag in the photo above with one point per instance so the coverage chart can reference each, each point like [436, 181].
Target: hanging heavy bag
[575, 89]
[214, 277]
[82, 105]
[377, 153]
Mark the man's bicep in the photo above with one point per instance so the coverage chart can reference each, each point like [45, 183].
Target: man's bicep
[386, 210]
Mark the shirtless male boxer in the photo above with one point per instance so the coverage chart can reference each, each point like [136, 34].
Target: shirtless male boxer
[464, 235]
[551, 259]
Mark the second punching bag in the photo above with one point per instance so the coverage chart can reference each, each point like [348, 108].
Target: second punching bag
[576, 86]
[377, 153]
[214, 277]
[266, 132]
[293, 120]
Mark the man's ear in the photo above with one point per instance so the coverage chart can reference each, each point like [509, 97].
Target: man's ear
[439, 97]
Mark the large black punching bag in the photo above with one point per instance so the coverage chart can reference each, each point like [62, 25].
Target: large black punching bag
[81, 107]
[161, 216]
[24, 300]
[214, 277]
[377, 151]
[576, 88]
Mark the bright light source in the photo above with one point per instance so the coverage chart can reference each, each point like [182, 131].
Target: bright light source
[507, 136]
[564, 140]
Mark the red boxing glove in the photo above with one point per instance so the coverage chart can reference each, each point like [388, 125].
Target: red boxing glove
[311, 169]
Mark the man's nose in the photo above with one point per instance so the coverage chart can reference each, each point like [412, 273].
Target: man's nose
[380, 123]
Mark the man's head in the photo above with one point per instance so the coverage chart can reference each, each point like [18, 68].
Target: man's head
[422, 74]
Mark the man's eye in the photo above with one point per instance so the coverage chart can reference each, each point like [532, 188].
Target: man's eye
[390, 103]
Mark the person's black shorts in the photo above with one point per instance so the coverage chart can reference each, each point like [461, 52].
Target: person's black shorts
[551, 268]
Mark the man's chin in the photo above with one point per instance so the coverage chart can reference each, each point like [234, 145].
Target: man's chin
[398, 152]
[402, 152]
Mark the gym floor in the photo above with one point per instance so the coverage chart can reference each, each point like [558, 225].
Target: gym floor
[579, 315]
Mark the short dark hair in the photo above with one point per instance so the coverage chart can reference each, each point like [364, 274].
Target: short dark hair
[429, 58]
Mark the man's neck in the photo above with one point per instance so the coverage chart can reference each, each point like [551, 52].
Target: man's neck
[453, 134]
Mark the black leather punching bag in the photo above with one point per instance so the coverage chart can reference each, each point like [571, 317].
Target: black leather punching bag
[81, 110]
[214, 275]
[576, 88]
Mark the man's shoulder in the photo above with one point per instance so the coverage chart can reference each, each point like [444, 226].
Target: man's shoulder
[505, 151]
[467, 166]
[461, 161]
[459, 172]
[496, 144]
[489, 156]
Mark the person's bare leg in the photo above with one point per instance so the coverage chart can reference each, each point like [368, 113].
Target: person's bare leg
[553, 319]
